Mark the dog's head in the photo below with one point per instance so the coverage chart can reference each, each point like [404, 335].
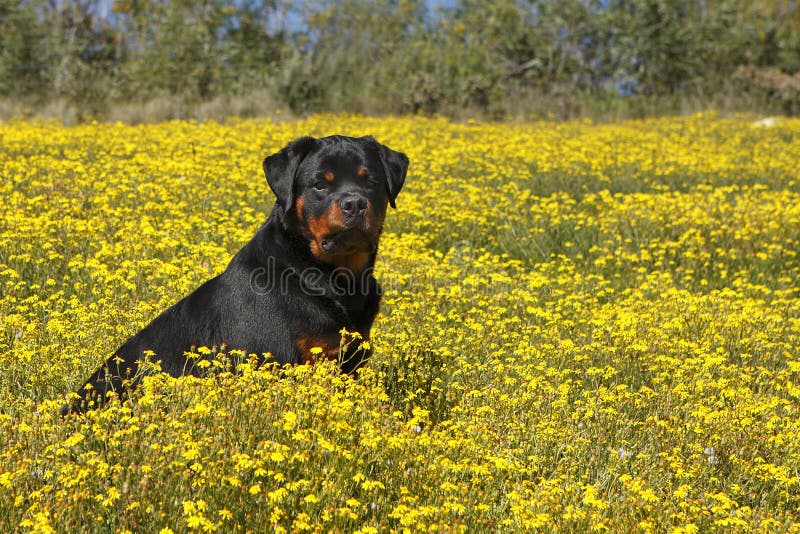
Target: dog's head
[336, 190]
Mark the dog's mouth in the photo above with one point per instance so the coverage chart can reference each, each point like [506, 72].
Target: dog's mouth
[348, 241]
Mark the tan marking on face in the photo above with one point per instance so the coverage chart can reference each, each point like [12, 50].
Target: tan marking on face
[373, 221]
[317, 229]
[329, 176]
[362, 171]
[332, 221]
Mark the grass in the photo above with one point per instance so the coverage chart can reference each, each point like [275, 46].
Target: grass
[585, 327]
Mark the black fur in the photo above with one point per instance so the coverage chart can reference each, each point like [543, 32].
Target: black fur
[279, 291]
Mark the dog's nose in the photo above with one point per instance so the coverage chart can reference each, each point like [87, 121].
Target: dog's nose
[353, 205]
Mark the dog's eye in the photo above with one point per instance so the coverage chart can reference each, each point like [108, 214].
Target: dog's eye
[320, 186]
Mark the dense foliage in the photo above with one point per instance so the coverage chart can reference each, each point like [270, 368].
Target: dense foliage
[585, 327]
[463, 57]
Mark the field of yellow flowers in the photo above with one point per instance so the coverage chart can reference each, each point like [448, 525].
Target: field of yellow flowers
[585, 327]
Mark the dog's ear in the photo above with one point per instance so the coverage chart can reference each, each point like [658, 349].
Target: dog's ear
[280, 169]
[395, 165]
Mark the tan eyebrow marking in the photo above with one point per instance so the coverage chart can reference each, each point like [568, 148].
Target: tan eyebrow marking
[329, 176]
[362, 171]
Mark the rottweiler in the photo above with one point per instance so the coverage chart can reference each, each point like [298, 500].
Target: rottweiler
[305, 275]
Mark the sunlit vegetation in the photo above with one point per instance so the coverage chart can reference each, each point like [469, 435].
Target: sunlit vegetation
[585, 327]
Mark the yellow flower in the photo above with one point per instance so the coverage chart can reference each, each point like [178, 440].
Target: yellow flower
[582, 327]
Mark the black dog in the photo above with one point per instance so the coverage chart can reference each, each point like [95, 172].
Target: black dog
[305, 275]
